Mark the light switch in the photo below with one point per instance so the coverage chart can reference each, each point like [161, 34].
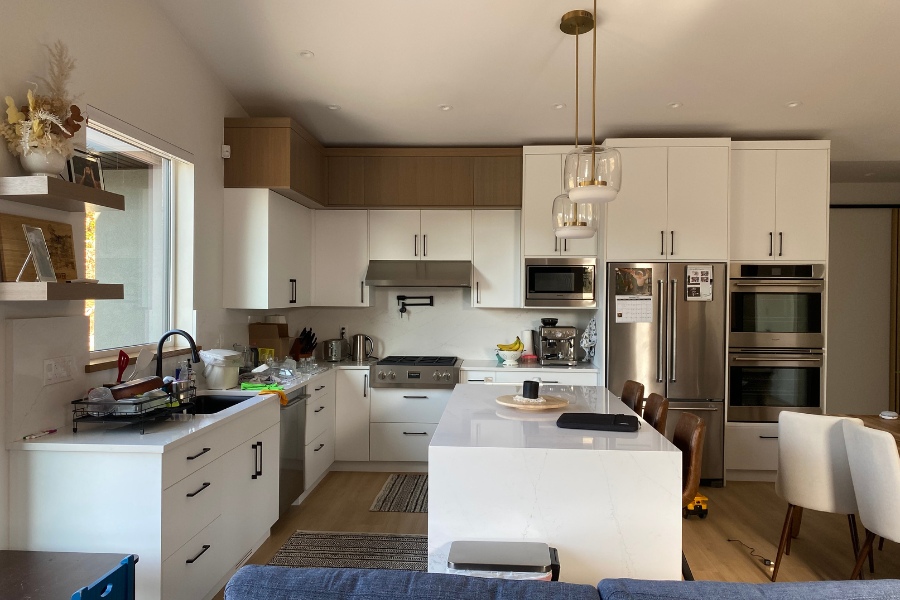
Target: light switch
[59, 369]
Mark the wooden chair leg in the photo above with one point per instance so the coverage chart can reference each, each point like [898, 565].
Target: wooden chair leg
[863, 552]
[686, 569]
[785, 539]
[854, 533]
[798, 516]
[881, 543]
[872, 556]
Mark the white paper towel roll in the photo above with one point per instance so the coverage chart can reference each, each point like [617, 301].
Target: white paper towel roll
[527, 341]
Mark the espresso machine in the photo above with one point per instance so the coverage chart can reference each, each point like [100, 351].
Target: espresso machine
[557, 345]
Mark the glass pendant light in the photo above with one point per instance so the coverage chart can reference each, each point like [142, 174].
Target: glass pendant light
[573, 219]
[593, 174]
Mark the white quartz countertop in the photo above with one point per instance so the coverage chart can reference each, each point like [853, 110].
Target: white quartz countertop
[493, 365]
[473, 419]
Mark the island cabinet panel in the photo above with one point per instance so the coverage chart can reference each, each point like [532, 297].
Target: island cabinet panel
[498, 181]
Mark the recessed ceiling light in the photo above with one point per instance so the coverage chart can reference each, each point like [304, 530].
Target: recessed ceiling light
[306, 54]
[445, 107]
[334, 107]
[559, 106]
[869, 174]
[675, 105]
[793, 104]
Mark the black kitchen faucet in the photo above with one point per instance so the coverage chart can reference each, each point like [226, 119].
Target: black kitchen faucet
[195, 356]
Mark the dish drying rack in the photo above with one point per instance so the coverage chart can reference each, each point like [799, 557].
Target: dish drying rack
[130, 411]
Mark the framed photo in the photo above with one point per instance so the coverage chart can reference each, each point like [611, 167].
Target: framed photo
[84, 169]
[40, 256]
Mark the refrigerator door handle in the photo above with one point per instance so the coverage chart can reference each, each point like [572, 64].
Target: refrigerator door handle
[673, 311]
[695, 409]
[661, 337]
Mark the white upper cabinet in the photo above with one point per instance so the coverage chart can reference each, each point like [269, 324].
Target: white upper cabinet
[340, 258]
[267, 239]
[496, 259]
[779, 201]
[543, 182]
[420, 235]
[673, 203]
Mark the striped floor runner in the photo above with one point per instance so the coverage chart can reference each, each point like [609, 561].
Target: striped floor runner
[354, 550]
[406, 492]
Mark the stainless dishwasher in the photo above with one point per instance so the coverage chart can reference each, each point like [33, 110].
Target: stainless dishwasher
[293, 446]
[712, 412]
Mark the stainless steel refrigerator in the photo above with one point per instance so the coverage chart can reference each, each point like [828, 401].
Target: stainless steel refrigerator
[666, 329]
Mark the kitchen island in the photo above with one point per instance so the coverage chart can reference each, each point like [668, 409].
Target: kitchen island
[610, 502]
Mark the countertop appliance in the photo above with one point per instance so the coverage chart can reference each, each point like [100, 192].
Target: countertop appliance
[556, 345]
[361, 347]
[763, 382]
[560, 282]
[423, 372]
[666, 329]
[335, 350]
[293, 448]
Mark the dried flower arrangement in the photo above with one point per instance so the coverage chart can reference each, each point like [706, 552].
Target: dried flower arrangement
[50, 119]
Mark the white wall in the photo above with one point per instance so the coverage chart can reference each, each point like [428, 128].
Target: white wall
[132, 64]
[859, 299]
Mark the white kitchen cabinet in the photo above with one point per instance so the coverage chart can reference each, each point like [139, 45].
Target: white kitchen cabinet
[542, 183]
[320, 423]
[401, 442]
[267, 251]
[779, 201]
[496, 259]
[420, 234]
[517, 376]
[751, 450]
[340, 258]
[673, 203]
[351, 415]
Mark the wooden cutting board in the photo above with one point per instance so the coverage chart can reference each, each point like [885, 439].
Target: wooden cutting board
[14, 248]
[547, 403]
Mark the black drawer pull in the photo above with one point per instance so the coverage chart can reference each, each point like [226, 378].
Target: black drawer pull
[415, 433]
[191, 560]
[481, 380]
[768, 437]
[319, 448]
[320, 388]
[199, 454]
[320, 409]
[417, 397]
[202, 487]
[549, 381]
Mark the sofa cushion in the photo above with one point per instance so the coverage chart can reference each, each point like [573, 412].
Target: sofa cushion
[635, 589]
[257, 582]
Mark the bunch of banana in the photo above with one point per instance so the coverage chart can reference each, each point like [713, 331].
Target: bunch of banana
[514, 347]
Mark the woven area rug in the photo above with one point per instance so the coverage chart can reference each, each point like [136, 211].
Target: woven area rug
[354, 550]
[407, 492]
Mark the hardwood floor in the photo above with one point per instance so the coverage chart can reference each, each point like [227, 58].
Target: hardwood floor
[747, 511]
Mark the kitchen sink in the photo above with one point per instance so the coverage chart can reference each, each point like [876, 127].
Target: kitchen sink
[209, 404]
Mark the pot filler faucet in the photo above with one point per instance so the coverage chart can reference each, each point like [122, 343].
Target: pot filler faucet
[195, 356]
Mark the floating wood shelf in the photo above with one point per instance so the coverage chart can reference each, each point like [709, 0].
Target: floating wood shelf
[53, 192]
[34, 290]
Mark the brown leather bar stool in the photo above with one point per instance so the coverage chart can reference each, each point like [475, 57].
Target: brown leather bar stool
[656, 411]
[688, 437]
[633, 395]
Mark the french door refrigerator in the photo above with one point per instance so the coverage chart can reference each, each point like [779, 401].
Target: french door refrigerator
[666, 329]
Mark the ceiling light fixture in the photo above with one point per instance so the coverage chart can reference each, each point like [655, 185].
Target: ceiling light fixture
[306, 54]
[559, 106]
[334, 107]
[675, 105]
[793, 104]
[445, 107]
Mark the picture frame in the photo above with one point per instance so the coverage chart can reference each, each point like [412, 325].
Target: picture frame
[39, 254]
[84, 169]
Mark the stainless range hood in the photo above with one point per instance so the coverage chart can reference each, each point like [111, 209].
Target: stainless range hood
[419, 273]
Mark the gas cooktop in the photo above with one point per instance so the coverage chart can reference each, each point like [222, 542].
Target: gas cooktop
[431, 361]
[416, 372]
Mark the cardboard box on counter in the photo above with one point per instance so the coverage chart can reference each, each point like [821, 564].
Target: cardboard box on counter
[281, 346]
[271, 335]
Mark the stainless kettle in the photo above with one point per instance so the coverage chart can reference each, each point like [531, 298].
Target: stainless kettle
[361, 347]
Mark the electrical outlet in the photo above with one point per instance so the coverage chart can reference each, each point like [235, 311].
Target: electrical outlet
[226, 151]
[343, 331]
[59, 369]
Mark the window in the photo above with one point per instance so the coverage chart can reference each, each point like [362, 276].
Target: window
[132, 247]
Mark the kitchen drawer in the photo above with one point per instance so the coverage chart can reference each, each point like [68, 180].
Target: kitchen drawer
[193, 580]
[518, 376]
[751, 447]
[476, 376]
[408, 405]
[321, 386]
[400, 441]
[319, 415]
[184, 515]
[319, 456]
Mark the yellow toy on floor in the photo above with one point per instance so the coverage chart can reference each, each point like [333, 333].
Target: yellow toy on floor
[699, 506]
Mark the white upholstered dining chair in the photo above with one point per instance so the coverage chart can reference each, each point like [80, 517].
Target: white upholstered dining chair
[813, 473]
[875, 469]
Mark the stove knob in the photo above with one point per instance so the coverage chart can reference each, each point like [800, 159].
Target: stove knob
[391, 375]
[381, 375]
[436, 375]
[446, 376]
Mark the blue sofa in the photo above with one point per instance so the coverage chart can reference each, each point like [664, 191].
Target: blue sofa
[256, 582]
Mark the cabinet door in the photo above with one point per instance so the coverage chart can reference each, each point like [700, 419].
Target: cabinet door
[446, 234]
[497, 260]
[583, 247]
[801, 205]
[394, 235]
[351, 421]
[636, 221]
[698, 203]
[283, 260]
[340, 258]
[498, 181]
[542, 183]
[752, 218]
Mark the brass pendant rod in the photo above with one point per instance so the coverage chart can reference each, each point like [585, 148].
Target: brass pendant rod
[576, 86]
[594, 100]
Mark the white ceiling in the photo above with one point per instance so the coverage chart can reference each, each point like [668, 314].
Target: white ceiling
[503, 64]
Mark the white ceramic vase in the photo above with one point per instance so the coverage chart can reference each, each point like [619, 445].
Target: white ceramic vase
[42, 162]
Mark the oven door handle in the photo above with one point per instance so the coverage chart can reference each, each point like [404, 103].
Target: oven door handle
[775, 359]
[695, 409]
[778, 284]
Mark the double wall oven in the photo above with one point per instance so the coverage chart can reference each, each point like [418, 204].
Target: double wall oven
[776, 341]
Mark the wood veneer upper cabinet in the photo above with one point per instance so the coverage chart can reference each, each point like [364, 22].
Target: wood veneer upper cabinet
[498, 181]
[276, 153]
[418, 181]
[346, 181]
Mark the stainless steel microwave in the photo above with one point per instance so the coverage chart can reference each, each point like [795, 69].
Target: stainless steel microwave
[560, 282]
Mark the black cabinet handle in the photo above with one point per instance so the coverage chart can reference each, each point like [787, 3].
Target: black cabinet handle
[673, 242]
[202, 487]
[320, 409]
[199, 454]
[191, 560]
[319, 448]
[258, 459]
[415, 433]
[771, 243]
[361, 286]
[780, 243]
[417, 397]
[416, 245]
[293, 291]
[662, 243]
[768, 437]
[320, 388]
[424, 244]
[365, 384]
